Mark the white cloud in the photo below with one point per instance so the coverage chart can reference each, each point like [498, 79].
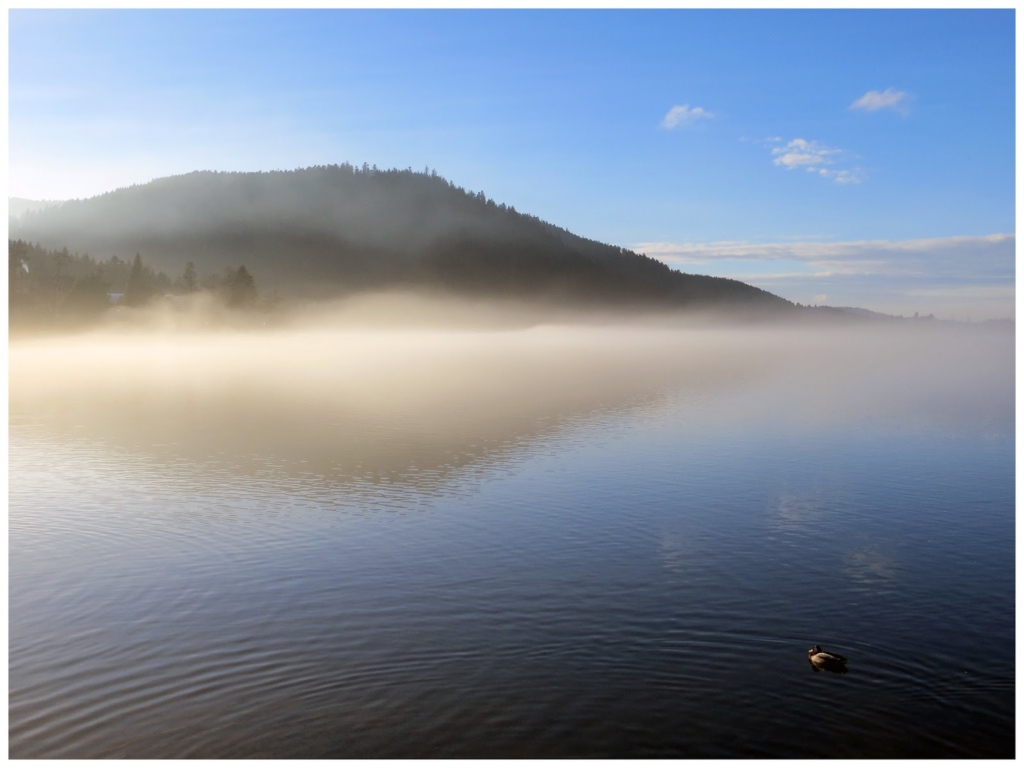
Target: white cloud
[890, 98]
[815, 157]
[800, 152]
[684, 114]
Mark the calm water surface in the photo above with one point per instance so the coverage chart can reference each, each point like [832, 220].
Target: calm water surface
[633, 570]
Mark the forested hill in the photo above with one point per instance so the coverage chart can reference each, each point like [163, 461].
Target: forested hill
[331, 230]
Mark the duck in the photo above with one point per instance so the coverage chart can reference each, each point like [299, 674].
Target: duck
[830, 662]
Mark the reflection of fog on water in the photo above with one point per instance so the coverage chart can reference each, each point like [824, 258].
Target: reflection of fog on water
[342, 403]
[871, 569]
[801, 509]
[374, 407]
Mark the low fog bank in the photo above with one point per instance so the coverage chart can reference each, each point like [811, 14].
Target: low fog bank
[206, 311]
[360, 390]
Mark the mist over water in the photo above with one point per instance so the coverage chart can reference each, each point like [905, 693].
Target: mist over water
[398, 528]
[395, 354]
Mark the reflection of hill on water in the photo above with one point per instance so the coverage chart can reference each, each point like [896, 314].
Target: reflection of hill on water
[345, 407]
[378, 408]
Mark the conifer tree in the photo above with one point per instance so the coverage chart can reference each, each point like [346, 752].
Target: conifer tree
[189, 278]
[137, 290]
[241, 288]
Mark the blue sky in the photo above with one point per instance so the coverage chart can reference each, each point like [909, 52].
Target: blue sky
[861, 157]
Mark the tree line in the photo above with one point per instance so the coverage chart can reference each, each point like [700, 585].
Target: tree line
[59, 287]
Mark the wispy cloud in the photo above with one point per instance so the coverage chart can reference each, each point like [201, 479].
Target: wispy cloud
[967, 252]
[815, 157]
[843, 176]
[951, 276]
[890, 98]
[988, 292]
[684, 114]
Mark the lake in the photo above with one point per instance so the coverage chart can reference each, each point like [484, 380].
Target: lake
[604, 541]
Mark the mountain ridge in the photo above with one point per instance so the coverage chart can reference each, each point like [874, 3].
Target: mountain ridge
[332, 230]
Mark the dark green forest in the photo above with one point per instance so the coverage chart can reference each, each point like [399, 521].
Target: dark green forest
[335, 230]
[55, 288]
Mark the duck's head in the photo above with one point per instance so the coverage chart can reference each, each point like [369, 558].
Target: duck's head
[814, 650]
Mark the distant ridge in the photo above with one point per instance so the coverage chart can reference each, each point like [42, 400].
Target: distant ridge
[331, 230]
[18, 206]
